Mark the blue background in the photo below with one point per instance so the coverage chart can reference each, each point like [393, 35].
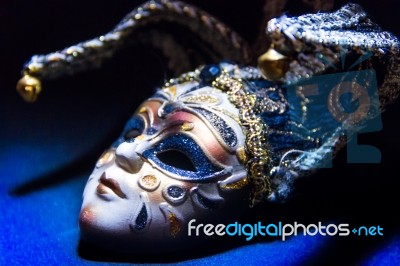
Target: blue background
[47, 151]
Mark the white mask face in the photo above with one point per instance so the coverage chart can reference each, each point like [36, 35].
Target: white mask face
[180, 158]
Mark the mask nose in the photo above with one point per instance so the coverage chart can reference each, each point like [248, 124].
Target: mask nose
[127, 157]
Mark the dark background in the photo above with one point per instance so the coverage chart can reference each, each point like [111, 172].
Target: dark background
[47, 149]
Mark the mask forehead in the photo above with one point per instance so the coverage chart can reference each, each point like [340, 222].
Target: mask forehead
[198, 97]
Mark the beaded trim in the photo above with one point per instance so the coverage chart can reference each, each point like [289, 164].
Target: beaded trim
[255, 130]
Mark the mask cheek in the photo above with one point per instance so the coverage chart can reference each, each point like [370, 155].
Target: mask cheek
[91, 184]
[158, 206]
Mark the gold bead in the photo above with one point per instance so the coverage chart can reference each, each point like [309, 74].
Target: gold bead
[273, 65]
[29, 88]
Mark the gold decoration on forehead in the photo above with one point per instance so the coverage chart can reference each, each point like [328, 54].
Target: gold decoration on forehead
[172, 90]
[202, 98]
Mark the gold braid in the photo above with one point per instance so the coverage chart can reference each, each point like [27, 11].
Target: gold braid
[255, 131]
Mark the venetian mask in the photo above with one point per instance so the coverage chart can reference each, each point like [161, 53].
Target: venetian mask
[225, 136]
[180, 158]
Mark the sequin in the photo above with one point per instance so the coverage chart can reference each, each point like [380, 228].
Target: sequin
[175, 192]
[209, 73]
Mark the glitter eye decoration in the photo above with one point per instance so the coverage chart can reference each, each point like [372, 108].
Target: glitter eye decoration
[181, 156]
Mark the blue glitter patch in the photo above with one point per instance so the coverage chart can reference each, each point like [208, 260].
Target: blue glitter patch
[225, 131]
[141, 219]
[175, 192]
[205, 169]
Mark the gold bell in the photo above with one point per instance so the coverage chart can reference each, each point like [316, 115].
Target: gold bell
[273, 65]
[29, 88]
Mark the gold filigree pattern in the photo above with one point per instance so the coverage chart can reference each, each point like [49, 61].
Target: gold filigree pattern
[201, 98]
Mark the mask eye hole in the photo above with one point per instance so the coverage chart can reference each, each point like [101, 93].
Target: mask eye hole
[132, 134]
[176, 159]
[133, 128]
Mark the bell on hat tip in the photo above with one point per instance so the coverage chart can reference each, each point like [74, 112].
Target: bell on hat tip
[273, 65]
[29, 88]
